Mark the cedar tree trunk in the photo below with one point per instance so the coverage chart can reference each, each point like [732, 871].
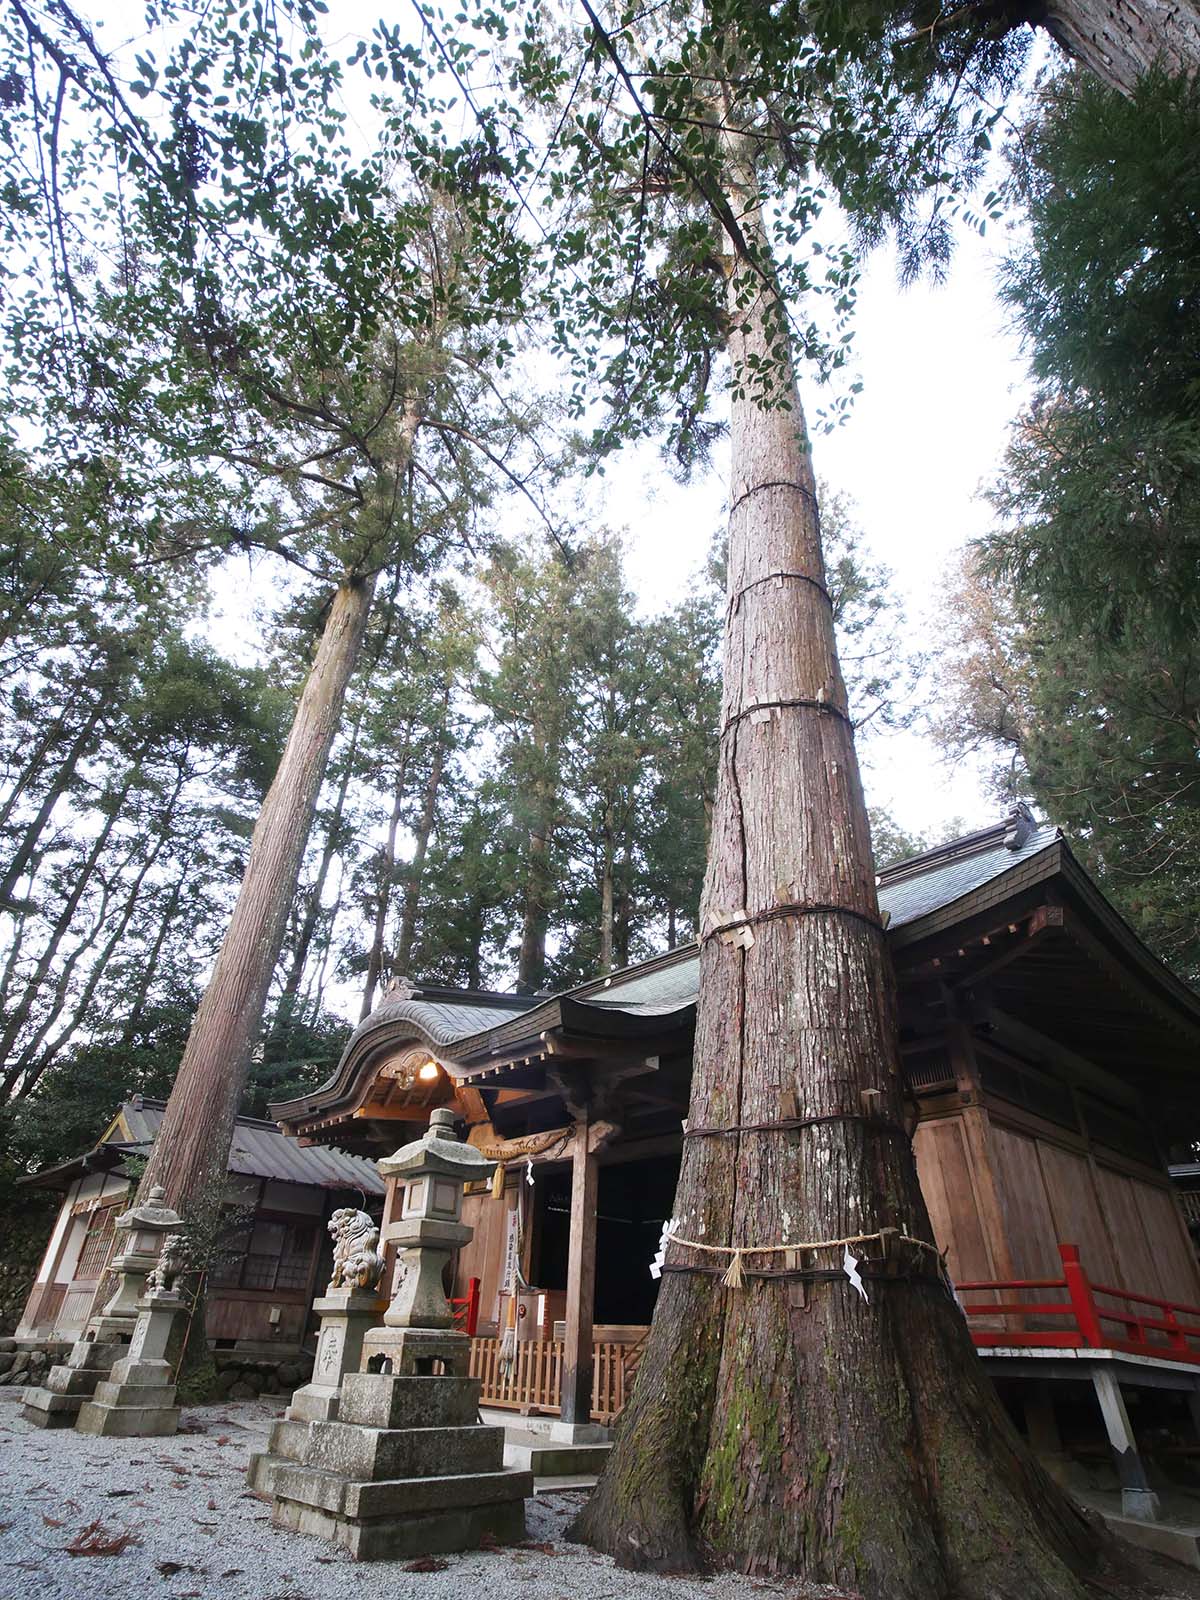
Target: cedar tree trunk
[531, 958]
[415, 873]
[1120, 40]
[787, 1427]
[192, 1148]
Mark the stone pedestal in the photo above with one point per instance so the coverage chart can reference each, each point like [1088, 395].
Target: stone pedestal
[56, 1403]
[407, 1469]
[346, 1315]
[138, 1397]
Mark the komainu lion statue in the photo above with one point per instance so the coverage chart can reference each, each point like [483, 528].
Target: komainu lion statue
[357, 1264]
[169, 1266]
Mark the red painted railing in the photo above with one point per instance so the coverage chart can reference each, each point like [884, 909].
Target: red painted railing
[466, 1309]
[1086, 1319]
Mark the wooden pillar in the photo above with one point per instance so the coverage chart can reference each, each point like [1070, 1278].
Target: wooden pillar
[1041, 1422]
[576, 1407]
[1138, 1499]
[976, 1126]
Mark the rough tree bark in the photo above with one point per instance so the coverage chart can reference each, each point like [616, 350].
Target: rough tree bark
[1120, 40]
[387, 872]
[190, 1153]
[606, 889]
[787, 1426]
[279, 1039]
[535, 917]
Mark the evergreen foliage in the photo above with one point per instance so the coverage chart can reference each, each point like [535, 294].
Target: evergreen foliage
[1101, 492]
[1075, 654]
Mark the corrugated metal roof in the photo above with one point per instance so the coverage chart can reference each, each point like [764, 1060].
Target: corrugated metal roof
[259, 1150]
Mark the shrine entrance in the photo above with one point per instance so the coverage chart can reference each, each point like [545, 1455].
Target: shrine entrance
[634, 1199]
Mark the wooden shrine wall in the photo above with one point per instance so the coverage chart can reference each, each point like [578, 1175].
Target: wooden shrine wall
[484, 1256]
[1126, 1223]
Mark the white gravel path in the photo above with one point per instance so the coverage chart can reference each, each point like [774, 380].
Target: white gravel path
[203, 1536]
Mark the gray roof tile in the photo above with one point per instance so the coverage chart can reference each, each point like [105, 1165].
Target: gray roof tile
[259, 1150]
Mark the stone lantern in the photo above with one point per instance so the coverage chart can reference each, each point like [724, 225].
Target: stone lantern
[57, 1402]
[145, 1228]
[137, 1399]
[428, 1227]
[407, 1469]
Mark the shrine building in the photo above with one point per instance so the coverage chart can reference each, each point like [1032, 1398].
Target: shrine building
[1051, 1068]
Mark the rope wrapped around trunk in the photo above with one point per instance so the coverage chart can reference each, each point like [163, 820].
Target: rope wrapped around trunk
[734, 1277]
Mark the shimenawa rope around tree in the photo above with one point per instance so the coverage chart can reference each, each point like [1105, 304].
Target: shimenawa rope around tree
[735, 1279]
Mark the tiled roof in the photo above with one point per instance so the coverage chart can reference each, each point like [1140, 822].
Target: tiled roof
[908, 893]
[259, 1150]
[443, 1021]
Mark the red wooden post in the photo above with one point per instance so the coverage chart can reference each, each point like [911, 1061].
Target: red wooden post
[1087, 1316]
[472, 1307]
[1175, 1336]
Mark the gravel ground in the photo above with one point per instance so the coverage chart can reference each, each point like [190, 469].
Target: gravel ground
[200, 1534]
[195, 1532]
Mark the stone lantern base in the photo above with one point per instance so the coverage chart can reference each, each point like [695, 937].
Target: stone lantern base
[137, 1400]
[346, 1316]
[56, 1404]
[407, 1470]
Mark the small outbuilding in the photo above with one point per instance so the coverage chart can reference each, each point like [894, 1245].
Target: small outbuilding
[269, 1264]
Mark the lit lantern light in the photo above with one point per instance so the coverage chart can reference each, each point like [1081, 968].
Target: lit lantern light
[428, 1072]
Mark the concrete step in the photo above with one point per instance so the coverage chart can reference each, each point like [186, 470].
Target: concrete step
[584, 1482]
[550, 1460]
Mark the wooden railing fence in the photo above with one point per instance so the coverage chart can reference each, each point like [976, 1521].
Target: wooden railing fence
[532, 1382]
[1088, 1316]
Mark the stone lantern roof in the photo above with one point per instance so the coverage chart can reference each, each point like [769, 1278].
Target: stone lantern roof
[439, 1151]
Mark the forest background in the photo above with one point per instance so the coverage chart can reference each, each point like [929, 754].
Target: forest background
[518, 792]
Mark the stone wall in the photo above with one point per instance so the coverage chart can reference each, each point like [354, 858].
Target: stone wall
[27, 1366]
[239, 1377]
[243, 1376]
[23, 1236]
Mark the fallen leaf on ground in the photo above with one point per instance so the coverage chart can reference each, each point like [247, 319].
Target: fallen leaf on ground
[170, 1568]
[542, 1545]
[489, 1541]
[114, 1493]
[427, 1564]
[97, 1540]
[212, 1505]
[52, 1522]
[236, 1572]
